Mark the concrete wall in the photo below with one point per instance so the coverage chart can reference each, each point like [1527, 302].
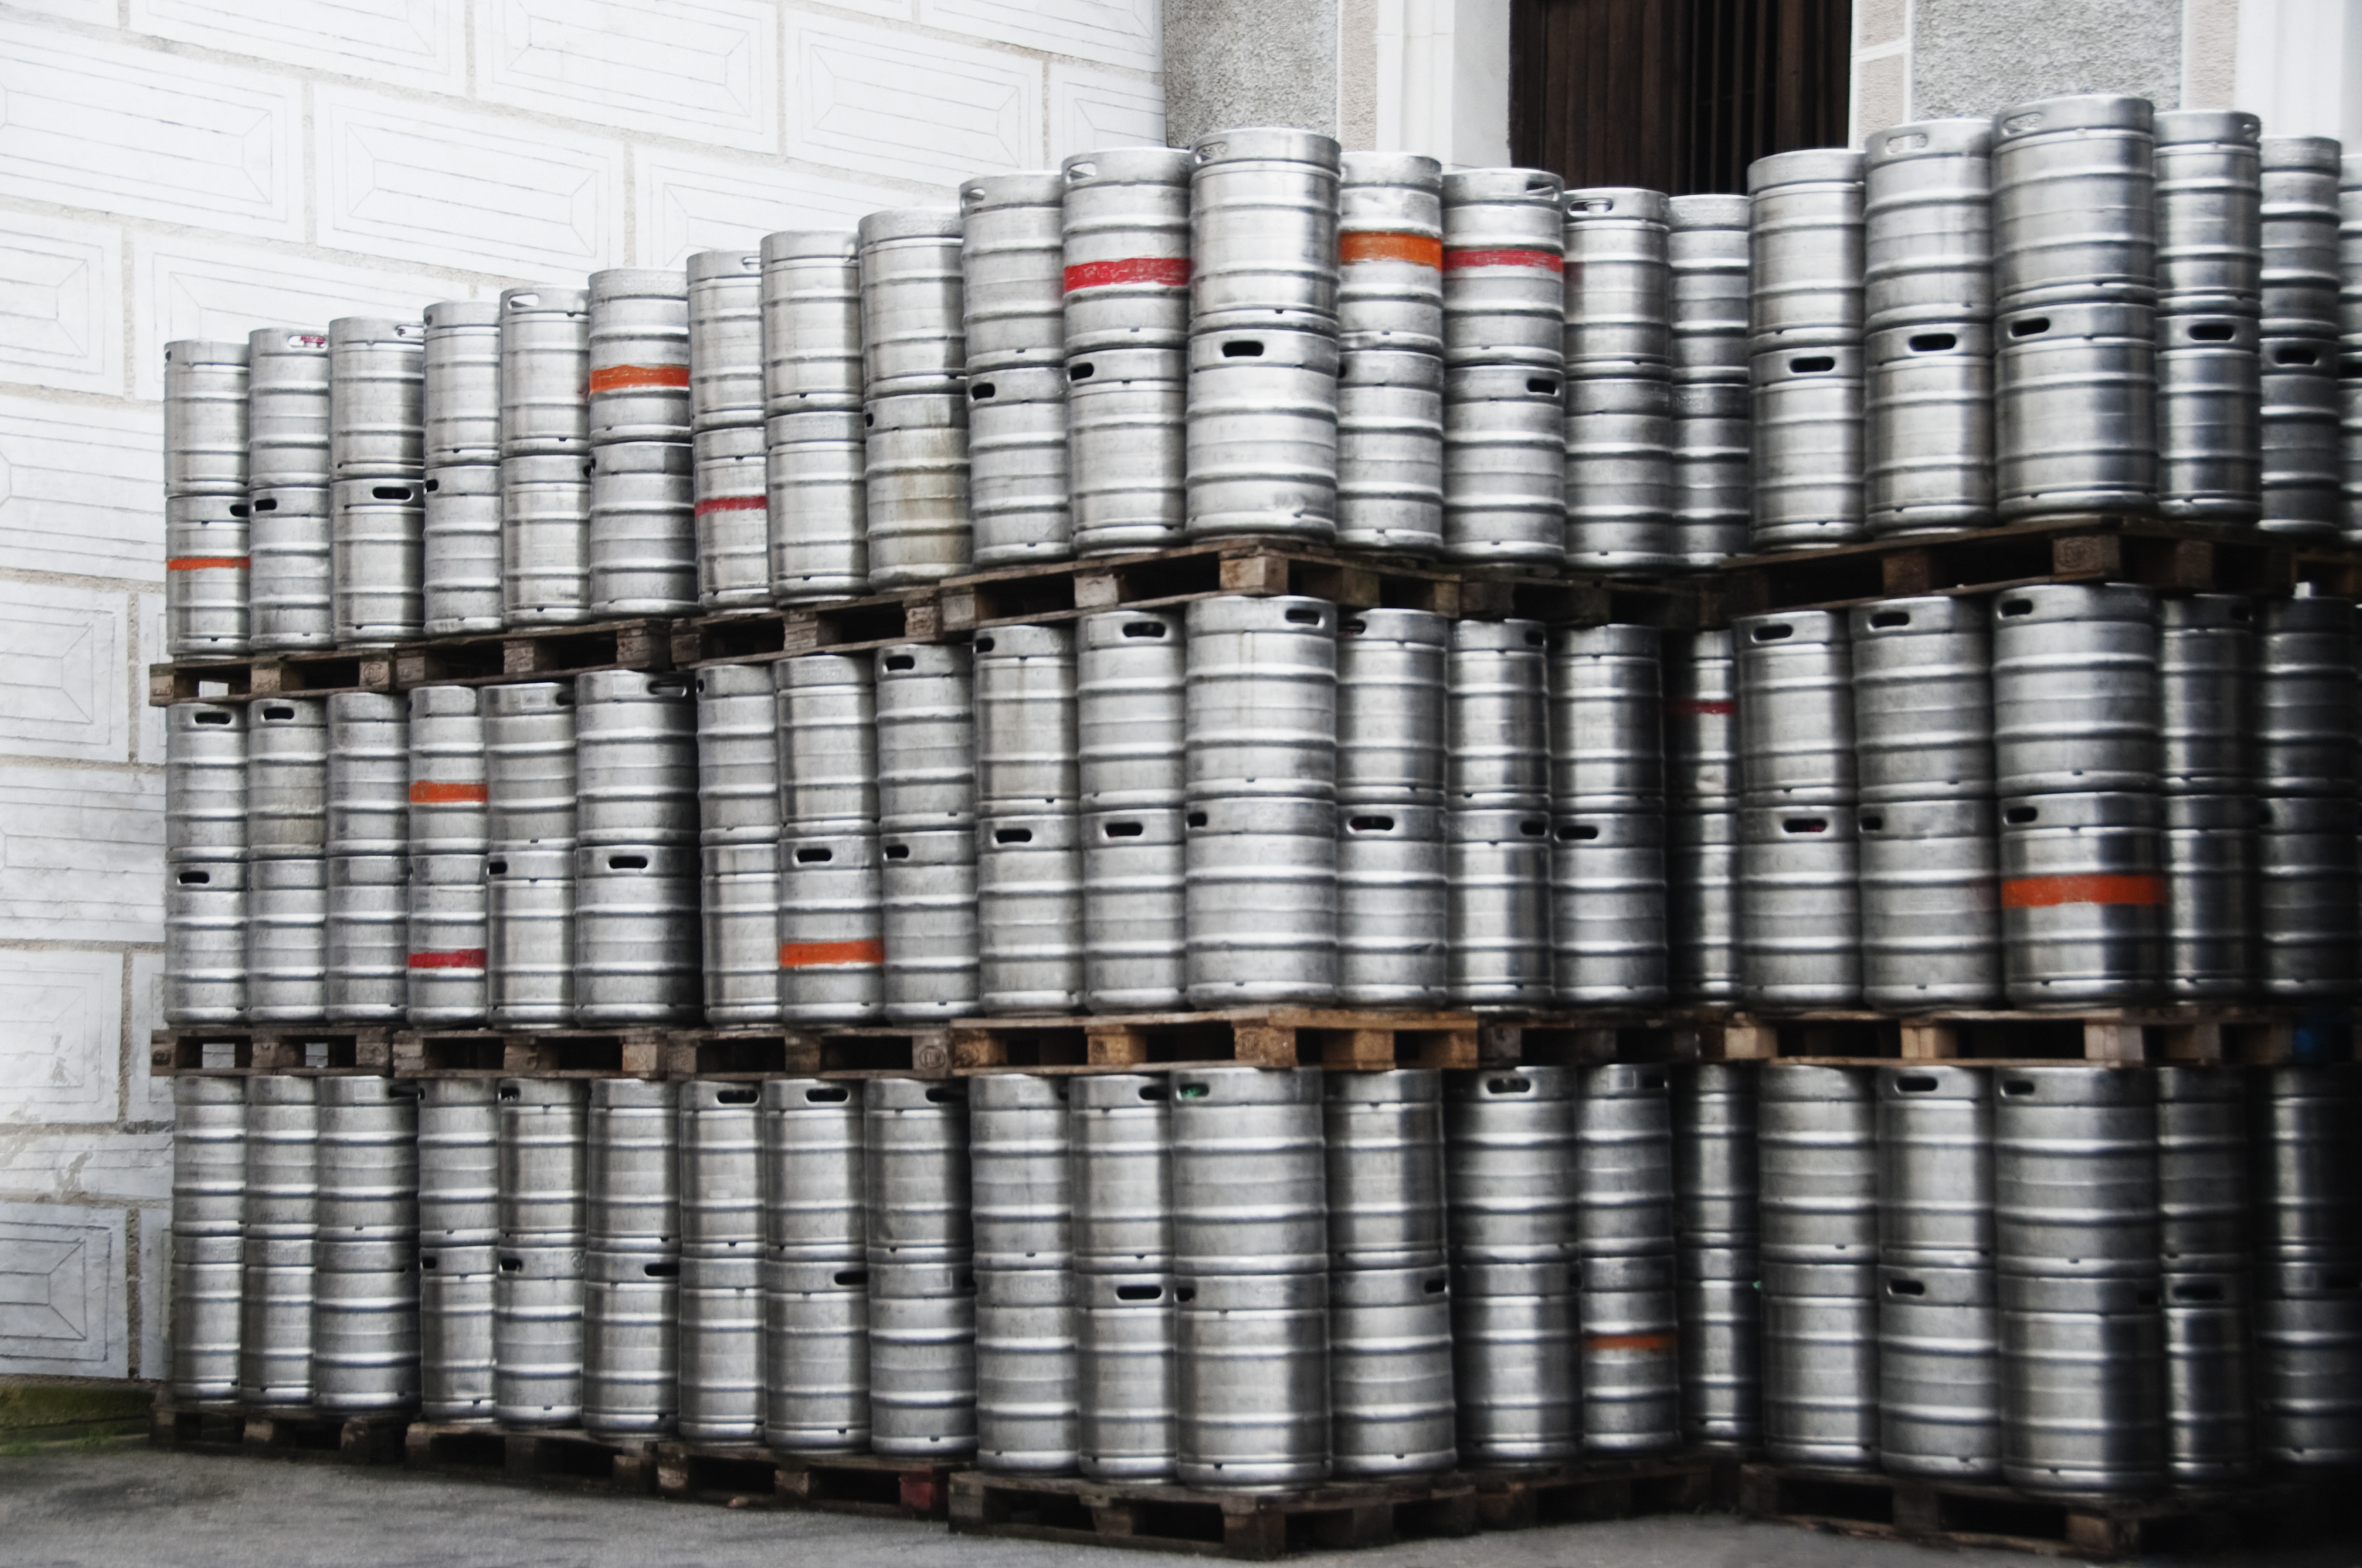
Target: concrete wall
[2298, 63]
[195, 168]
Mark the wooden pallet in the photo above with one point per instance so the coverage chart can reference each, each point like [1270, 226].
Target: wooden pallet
[2103, 548]
[330, 1048]
[1585, 1039]
[269, 675]
[844, 626]
[1586, 1490]
[530, 1053]
[294, 1433]
[881, 1486]
[1260, 1037]
[2200, 1036]
[537, 653]
[1256, 1525]
[1059, 591]
[2001, 1517]
[562, 1457]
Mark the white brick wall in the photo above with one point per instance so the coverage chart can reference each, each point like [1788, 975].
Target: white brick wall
[196, 167]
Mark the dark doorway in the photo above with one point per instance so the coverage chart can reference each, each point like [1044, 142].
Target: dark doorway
[1674, 95]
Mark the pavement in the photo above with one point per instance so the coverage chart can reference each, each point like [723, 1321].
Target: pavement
[116, 1504]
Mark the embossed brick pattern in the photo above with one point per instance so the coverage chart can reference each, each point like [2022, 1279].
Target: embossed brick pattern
[200, 168]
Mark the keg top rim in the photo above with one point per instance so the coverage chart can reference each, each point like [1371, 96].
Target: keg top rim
[373, 331]
[441, 316]
[889, 224]
[1917, 615]
[633, 283]
[2074, 111]
[205, 351]
[544, 299]
[1384, 623]
[1616, 204]
[1947, 137]
[1129, 165]
[1805, 166]
[2301, 154]
[715, 266]
[1415, 170]
[1024, 188]
[812, 244]
[2197, 128]
[1708, 210]
[1283, 144]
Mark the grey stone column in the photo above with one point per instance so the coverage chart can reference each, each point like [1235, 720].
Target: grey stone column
[1249, 62]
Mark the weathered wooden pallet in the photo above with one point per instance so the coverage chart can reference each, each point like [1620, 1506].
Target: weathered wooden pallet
[560, 1456]
[1057, 590]
[2001, 1517]
[1256, 1525]
[2092, 547]
[1262, 1037]
[1584, 1490]
[842, 625]
[534, 1053]
[1585, 1038]
[882, 1485]
[534, 653]
[269, 675]
[2192, 1035]
[330, 1048]
[294, 1433]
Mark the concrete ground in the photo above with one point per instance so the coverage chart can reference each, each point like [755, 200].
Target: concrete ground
[124, 1504]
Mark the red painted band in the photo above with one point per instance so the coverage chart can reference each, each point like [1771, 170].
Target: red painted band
[734, 503]
[1703, 707]
[431, 794]
[812, 955]
[634, 378]
[1628, 1342]
[1389, 244]
[1166, 271]
[1455, 260]
[206, 563]
[457, 958]
[2085, 887]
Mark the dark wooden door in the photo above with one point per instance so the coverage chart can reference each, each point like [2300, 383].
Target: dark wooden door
[1674, 95]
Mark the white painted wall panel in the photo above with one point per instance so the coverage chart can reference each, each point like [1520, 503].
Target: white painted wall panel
[62, 1290]
[89, 124]
[703, 69]
[200, 168]
[60, 1035]
[465, 189]
[62, 303]
[417, 43]
[80, 488]
[906, 106]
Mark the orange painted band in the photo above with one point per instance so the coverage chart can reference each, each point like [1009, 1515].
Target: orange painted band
[206, 563]
[1169, 272]
[1628, 1342]
[627, 378]
[430, 794]
[457, 958]
[1386, 245]
[2088, 888]
[1453, 261]
[734, 504]
[810, 955]
[1702, 707]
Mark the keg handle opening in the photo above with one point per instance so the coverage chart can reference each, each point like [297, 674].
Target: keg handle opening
[2016, 1087]
[214, 717]
[827, 1094]
[1773, 633]
[980, 392]
[2029, 326]
[1012, 835]
[1435, 1284]
[850, 1276]
[668, 1269]
[1143, 628]
[1915, 1083]
[1880, 620]
[1872, 822]
[1578, 831]
[2213, 331]
[268, 503]
[1906, 1287]
[943, 1094]
[1124, 830]
[1153, 1093]
[1934, 342]
[1805, 824]
[740, 1096]
[1242, 348]
[1813, 364]
[1138, 1293]
[1370, 824]
[902, 661]
[897, 852]
[1079, 372]
[2296, 354]
[1301, 617]
[814, 857]
[391, 492]
[197, 878]
[1509, 1086]
[1190, 1091]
